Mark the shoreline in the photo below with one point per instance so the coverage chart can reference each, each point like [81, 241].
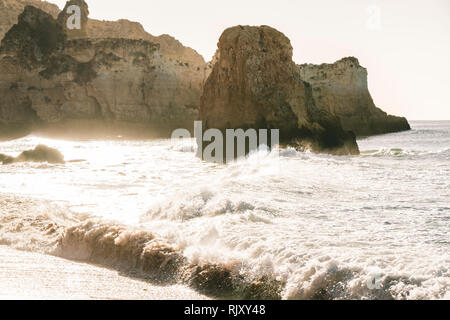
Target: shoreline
[34, 276]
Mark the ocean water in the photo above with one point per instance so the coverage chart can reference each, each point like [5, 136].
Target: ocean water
[291, 224]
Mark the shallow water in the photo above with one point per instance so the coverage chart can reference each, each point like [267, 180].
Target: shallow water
[369, 226]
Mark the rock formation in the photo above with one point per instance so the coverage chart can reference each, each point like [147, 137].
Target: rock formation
[97, 29]
[11, 9]
[341, 89]
[255, 84]
[39, 154]
[110, 74]
[5, 159]
[50, 80]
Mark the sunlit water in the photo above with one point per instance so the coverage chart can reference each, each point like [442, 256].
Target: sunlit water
[368, 226]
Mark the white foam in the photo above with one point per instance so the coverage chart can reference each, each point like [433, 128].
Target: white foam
[321, 225]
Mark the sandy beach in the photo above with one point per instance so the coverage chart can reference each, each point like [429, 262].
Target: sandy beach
[31, 276]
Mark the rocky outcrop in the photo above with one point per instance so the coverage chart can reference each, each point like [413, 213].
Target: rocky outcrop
[39, 154]
[5, 159]
[341, 89]
[11, 9]
[50, 80]
[171, 48]
[113, 73]
[255, 84]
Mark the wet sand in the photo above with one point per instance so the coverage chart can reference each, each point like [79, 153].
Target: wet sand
[30, 276]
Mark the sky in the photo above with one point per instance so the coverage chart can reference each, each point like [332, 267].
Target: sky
[404, 44]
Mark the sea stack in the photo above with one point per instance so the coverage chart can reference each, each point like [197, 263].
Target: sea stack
[341, 89]
[255, 84]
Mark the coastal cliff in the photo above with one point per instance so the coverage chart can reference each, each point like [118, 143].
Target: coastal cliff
[100, 29]
[11, 9]
[341, 89]
[255, 84]
[113, 74]
[48, 79]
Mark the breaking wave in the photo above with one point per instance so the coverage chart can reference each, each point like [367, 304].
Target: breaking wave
[403, 153]
[130, 250]
[135, 251]
[297, 226]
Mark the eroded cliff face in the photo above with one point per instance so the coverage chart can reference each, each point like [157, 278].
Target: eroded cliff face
[100, 29]
[48, 79]
[255, 84]
[11, 9]
[169, 46]
[114, 71]
[341, 89]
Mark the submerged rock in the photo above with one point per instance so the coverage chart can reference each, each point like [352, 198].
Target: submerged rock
[255, 84]
[5, 159]
[41, 153]
[341, 89]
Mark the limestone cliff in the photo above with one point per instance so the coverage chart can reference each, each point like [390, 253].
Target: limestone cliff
[11, 9]
[341, 89]
[114, 71]
[169, 46]
[47, 79]
[255, 84]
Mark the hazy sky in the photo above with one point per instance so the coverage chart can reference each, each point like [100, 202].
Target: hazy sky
[404, 44]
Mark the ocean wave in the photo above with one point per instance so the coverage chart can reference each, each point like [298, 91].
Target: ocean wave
[337, 282]
[141, 253]
[187, 206]
[403, 153]
[144, 254]
[39, 226]
[442, 132]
